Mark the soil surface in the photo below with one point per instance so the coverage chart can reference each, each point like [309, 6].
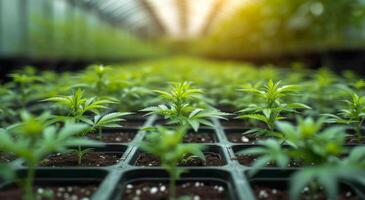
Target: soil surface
[199, 138]
[133, 124]
[52, 193]
[353, 140]
[240, 138]
[159, 191]
[248, 160]
[272, 193]
[90, 159]
[122, 137]
[235, 123]
[211, 159]
[5, 157]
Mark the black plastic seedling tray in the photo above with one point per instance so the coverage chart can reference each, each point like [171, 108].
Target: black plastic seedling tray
[112, 180]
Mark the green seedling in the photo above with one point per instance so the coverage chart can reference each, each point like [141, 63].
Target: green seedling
[167, 145]
[181, 107]
[101, 81]
[78, 108]
[270, 105]
[33, 139]
[111, 120]
[312, 144]
[329, 175]
[353, 114]
[24, 85]
[269, 151]
[307, 144]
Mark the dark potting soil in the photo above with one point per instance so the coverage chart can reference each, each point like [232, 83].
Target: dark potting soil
[211, 159]
[272, 193]
[199, 138]
[159, 191]
[121, 137]
[240, 138]
[5, 157]
[90, 159]
[353, 140]
[248, 160]
[235, 123]
[133, 124]
[52, 193]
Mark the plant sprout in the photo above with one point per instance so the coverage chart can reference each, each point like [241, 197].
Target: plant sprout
[101, 81]
[168, 147]
[353, 114]
[24, 86]
[270, 150]
[307, 144]
[272, 105]
[329, 175]
[33, 139]
[111, 120]
[77, 107]
[181, 106]
[310, 143]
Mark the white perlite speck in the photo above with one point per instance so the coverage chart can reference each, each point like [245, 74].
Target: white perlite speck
[129, 186]
[40, 190]
[74, 197]
[245, 139]
[263, 194]
[196, 198]
[154, 190]
[348, 194]
[197, 184]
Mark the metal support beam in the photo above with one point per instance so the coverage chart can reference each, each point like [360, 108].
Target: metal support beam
[153, 14]
[212, 15]
[182, 7]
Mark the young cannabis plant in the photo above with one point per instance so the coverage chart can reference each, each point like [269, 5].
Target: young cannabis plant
[307, 144]
[24, 85]
[101, 81]
[77, 106]
[329, 175]
[353, 114]
[181, 107]
[96, 81]
[111, 120]
[269, 151]
[33, 139]
[310, 143]
[168, 146]
[270, 106]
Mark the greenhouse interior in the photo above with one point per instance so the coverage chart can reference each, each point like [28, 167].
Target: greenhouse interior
[182, 99]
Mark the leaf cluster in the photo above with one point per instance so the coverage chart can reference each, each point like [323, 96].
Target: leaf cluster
[270, 105]
[181, 107]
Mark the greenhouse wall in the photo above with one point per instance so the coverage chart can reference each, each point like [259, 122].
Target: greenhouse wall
[65, 29]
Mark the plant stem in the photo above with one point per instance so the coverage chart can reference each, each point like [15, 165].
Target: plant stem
[172, 185]
[100, 134]
[172, 188]
[28, 186]
[358, 129]
[313, 187]
[79, 155]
